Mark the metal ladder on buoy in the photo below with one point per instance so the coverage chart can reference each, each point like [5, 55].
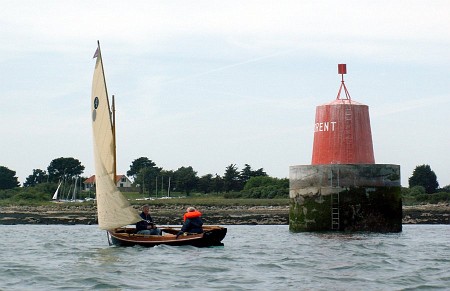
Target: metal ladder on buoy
[348, 116]
[335, 211]
[348, 132]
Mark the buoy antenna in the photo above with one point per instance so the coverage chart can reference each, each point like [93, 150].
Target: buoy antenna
[342, 70]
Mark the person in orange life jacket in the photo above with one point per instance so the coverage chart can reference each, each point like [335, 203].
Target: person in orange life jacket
[192, 222]
[146, 225]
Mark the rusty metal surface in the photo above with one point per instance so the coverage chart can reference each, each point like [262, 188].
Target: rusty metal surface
[342, 134]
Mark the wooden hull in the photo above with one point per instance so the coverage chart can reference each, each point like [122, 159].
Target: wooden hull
[212, 236]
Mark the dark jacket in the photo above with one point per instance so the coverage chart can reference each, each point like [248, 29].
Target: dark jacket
[147, 220]
[192, 225]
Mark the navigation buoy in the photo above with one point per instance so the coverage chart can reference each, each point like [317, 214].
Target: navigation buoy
[343, 188]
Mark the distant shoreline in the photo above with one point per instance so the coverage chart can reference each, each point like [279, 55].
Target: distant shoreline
[171, 215]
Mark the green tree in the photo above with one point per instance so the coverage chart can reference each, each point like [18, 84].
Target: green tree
[205, 183]
[259, 172]
[8, 179]
[247, 173]
[232, 179]
[186, 179]
[424, 176]
[417, 190]
[218, 184]
[266, 187]
[147, 179]
[259, 182]
[39, 176]
[144, 173]
[139, 164]
[40, 192]
[446, 189]
[262, 181]
[64, 168]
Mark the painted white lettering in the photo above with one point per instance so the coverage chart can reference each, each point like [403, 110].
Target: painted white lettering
[332, 125]
[325, 126]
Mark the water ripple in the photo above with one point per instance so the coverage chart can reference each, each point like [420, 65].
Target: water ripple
[253, 258]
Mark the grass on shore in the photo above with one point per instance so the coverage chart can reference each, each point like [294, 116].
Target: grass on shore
[176, 200]
[195, 199]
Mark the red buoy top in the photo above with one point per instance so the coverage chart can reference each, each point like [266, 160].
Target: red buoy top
[342, 69]
[342, 133]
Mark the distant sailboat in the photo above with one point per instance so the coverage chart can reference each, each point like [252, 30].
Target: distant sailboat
[74, 192]
[114, 211]
[55, 196]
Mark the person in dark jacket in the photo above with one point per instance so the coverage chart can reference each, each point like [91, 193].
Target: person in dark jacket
[146, 225]
[192, 222]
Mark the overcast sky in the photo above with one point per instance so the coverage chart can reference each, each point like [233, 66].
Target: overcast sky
[212, 83]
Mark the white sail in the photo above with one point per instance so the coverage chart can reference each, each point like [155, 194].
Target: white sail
[112, 207]
[55, 196]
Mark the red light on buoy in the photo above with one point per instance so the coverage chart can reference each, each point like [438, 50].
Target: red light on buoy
[342, 69]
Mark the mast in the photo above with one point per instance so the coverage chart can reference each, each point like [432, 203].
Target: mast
[114, 136]
[168, 188]
[74, 193]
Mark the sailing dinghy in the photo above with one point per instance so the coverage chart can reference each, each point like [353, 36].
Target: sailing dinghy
[115, 214]
[55, 195]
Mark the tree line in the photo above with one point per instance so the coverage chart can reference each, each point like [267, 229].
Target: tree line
[150, 179]
[424, 187]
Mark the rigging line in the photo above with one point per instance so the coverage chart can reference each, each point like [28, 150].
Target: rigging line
[223, 68]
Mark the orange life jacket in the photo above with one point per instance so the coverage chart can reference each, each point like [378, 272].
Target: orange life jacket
[192, 214]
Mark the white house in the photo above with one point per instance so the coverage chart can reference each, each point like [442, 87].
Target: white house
[122, 181]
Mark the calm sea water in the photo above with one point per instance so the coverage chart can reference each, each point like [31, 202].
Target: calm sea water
[49, 257]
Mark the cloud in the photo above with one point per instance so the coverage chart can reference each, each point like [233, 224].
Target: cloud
[260, 26]
[196, 75]
[421, 104]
